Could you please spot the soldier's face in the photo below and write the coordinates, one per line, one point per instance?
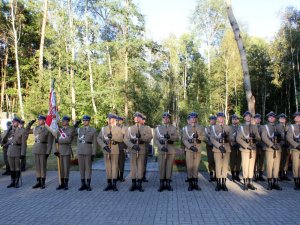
(65, 123)
(112, 121)
(86, 123)
(247, 118)
(235, 121)
(136, 119)
(15, 124)
(120, 121)
(282, 120)
(271, 119)
(41, 122)
(297, 119)
(257, 120)
(192, 120)
(220, 119)
(166, 120)
(212, 122)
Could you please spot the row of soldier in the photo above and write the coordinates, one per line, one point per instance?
(245, 144)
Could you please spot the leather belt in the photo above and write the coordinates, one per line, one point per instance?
(85, 142)
(39, 142)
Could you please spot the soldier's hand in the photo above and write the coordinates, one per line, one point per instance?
(92, 158)
(138, 135)
(194, 149)
(47, 155)
(224, 135)
(222, 149)
(136, 147)
(31, 122)
(195, 135)
(22, 157)
(109, 136)
(162, 142)
(10, 128)
(250, 147)
(167, 136)
(56, 140)
(275, 147)
(77, 123)
(107, 149)
(164, 149)
(56, 154)
(236, 146)
(298, 147)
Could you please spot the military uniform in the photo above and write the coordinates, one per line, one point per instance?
(122, 155)
(4, 144)
(164, 138)
(41, 150)
(135, 138)
(86, 151)
(247, 137)
(221, 137)
(235, 155)
(109, 139)
(260, 154)
(271, 144)
(210, 154)
(293, 138)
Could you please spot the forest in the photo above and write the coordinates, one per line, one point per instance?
(99, 54)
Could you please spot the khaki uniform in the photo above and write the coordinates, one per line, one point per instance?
(41, 148)
(293, 138)
(122, 150)
(235, 154)
(165, 159)
(4, 150)
(64, 147)
(111, 159)
(137, 158)
(193, 158)
(272, 156)
(221, 160)
(86, 148)
(247, 136)
(285, 154)
(209, 149)
(260, 154)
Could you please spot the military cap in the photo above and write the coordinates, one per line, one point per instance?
(22, 122)
(112, 116)
(220, 114)
(120, 118)
(16, 119)
(166, 114)
(257, 115)
(86, 118)
(296, 114)
(66, 118)
(282, 115)
(271, 114)
(41, 117)
(144, 117)
(234, 116)
(247, 113)
(8, 123)
(193, 115)
(212, 117)
(138, 114)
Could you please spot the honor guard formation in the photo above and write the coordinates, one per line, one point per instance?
(247, 149)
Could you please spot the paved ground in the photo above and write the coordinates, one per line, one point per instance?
(28, 206)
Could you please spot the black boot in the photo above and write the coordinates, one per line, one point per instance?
(88, 185)
(296, 180)
(62, 184)
(299, 183)
(161, 185)
(270, 186)
(233, 176)
(190, 188)
(43, 183)
(6, 173)
(250, 184)
(133, 185)
(168, 185)
(121, 177)
(196, 186)
(224, 187)
(13, 179)
(280, 175)
(114, 186)
(109, 185)
(144, 177)
(237, 176)
(38, 183)
(83, 185)
(187, 179)
(285, 176)
(139, 187)
(211, 177)
(17, 177)
(276, 185)
(66, 184)
(260, 176)
(245, 184)
(218, 187)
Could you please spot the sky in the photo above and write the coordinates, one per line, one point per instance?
(259, 17)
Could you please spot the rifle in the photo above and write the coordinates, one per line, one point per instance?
(195, 139)
(250, 141)
(275, 142)
(109, 138)
(138, 140)
(166, 141)
(223, 139)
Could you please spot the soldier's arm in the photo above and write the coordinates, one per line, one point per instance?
(214, 141)
(100, 140)
(147, 134)
(118, 134)
(240, 139)
(24, 143)
(174, 136)
(156, 139)
(265, 138)
(290, 138)
(201, 135)
(185, 139)
(94, 148)
(256, 133)
(49, 142)
(127, 139)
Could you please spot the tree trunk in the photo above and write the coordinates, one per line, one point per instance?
(294, 79)
(87, 45)
(226, 91)
(247, 83)
(41, 56)
(3, 82)
(126, 62)
(13, 6)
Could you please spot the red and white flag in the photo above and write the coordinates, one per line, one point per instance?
(53, 117)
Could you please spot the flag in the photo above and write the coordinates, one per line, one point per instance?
(53, 117)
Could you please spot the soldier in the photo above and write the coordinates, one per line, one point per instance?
(192, 136)
(109, 138)
(143, 121)
(235, 154)
(23, 160)
(247, 136)
(271, 138)
(41, 150)
(293, 138)
(285, 154)
(86, 151)
(136, 138)
(4, 145)
(122, 149)
(164, 138)
(16, 141)
(209, 149)
(64, 151)
(220, 137)
(260, 153)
